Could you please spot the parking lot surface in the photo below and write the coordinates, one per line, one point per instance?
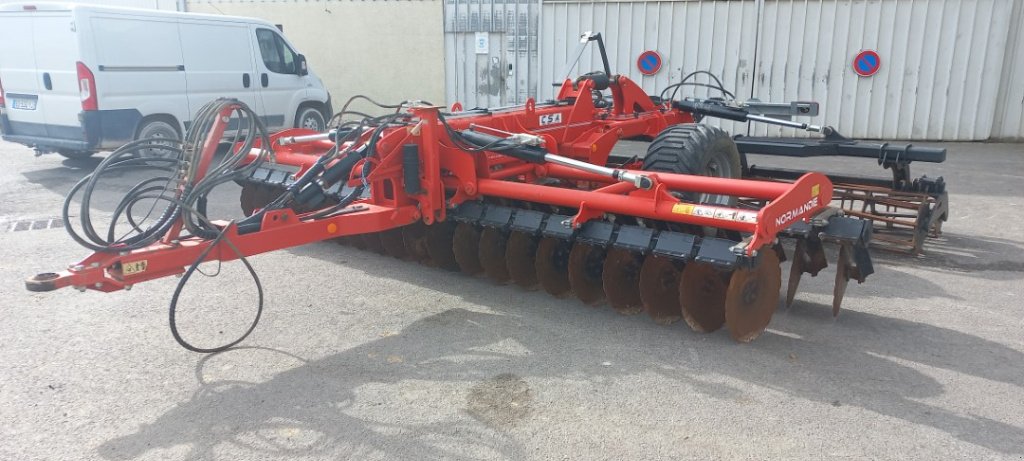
(360, 356)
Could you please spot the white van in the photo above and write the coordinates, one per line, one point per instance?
(76, 79)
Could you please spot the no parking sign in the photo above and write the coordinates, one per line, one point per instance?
(649, 62)
(866, 63)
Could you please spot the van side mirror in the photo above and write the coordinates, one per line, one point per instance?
(301, 68)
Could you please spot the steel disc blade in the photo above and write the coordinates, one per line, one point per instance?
(466, 247)
(520, 254)
(372, 242)
(702, 290)
(621, 279)
(842, 279)
(492, 254)
(414, 236)
(796, 270)
(439, 245)
(247, 199)
(268, 194)
(552, 264)
(357, 241)
(393, 243)
(752, 297)
(659, 289)
(586, 264)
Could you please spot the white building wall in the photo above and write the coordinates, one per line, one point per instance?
(942, 73)
(387, 50)
(167, 5)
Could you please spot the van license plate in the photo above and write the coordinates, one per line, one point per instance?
(23, 104)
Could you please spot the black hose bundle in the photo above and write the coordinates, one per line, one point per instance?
(180, 188)
(177, 188)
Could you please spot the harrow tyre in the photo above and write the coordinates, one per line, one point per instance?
(696, 149)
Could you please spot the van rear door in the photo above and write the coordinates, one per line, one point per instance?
(57, 51)
(19, 75)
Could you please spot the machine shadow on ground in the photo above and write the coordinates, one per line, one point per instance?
(850, 361)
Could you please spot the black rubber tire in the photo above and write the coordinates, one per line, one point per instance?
(310, 117)
(160, 127)
(75, 154)
(696, 149)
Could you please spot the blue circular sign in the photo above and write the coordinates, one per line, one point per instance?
(649, 62)
(866, 63)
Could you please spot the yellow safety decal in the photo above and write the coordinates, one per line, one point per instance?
(134, 267)
(682, 208)
(815, 190)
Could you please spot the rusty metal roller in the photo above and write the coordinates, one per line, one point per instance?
(702, 293)
(552, 263)
(247, 199)
(466, 247)
(621, 279)
(371, 241)
(586, 264)
(439, 239)
(521, 256)
(752, 297)
(414, 236)
(393, 243)
(492, 254)
(659, 288)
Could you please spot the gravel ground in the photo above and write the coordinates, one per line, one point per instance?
(359, 356)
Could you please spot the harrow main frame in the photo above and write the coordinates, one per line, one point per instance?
(536, 176)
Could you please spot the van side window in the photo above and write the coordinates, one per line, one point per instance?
(277, 56)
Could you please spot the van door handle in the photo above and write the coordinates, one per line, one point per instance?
(264, 80)
(47, 82)
(246, 81)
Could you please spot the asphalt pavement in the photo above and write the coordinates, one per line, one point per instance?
(360, 356)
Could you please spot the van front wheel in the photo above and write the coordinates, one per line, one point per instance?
(310, 118)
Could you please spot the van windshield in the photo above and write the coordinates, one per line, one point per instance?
(277, 55)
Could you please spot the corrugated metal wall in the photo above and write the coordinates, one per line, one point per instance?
(689, 35)
(507, 72)
(941, 64)
(1009, 118)
(942, 60)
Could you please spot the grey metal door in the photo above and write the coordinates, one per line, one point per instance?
(491, 51)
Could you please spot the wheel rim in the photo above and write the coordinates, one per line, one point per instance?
(716, 169)
(158, 133)
(311, 122)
